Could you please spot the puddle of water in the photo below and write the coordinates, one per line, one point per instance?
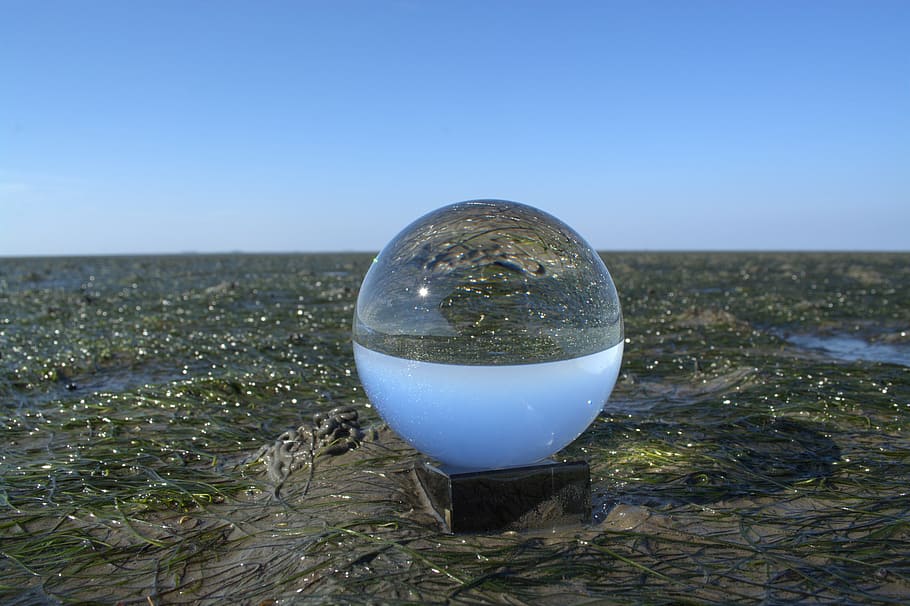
(852, 349)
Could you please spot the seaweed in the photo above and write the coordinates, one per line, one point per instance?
(731, 464)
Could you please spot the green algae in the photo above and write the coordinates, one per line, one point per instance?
(730, 465)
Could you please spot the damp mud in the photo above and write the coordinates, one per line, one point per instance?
(179, 430)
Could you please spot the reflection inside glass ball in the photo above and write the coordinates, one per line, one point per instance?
(488, 334)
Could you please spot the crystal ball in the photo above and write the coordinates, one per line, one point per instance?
(488, 334)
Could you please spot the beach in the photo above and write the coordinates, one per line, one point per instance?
(755, 450)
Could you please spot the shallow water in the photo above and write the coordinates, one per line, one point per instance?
(853, 349)
(735, 461)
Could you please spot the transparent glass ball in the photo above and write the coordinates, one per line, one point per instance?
(488, 334)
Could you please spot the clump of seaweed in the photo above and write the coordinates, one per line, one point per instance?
(730, 465)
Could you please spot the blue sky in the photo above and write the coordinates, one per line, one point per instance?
(166, 126)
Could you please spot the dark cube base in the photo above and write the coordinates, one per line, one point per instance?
(548, 494)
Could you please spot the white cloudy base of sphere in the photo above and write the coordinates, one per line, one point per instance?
(488, 417)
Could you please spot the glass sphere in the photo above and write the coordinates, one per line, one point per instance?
(488, 334)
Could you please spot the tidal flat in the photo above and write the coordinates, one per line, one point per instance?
(756, 449)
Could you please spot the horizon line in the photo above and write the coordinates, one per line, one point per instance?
(190, 253)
